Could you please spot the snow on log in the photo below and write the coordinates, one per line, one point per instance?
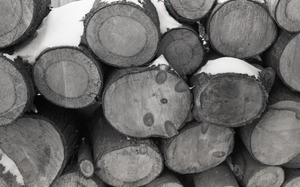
(275, 138)
(230, 92)
(123, 33)
(250, 172)
(34, 149)
(198, 147)
(219, 176)
(123, 161)
(241, 28)
(285, 13)
(62, 27)
(20, 19)
(16, 90)
(284, 57)
(144, 102)
(189, 10)
(69, 77)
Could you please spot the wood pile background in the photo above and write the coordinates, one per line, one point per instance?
(173, 93)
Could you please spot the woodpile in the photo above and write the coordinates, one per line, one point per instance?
(173, 93)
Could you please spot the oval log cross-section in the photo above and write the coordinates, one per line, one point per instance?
(165, 180)
(146, 102)
(241, 29)
(19, 19)
(16, 90)
(198, 148)
(68, 77)
(189, 10)
(123, 34)
(183, 50)
(31, 153)
(123, 161)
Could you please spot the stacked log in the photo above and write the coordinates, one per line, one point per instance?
(123, 34)
(292, 178)
(241, 28)
(165, 180)
(20, 19)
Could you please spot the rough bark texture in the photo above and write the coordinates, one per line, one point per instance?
(123, 34)
(218, 176)
(123, 161)
(241, 29)
(69, 77)
(198, 147)
(165, 98)
(20, 19)
(16, 90)
(183, 49)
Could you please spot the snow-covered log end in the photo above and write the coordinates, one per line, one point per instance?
(161, 63)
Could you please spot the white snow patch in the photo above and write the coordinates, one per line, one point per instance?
(137, 2)
(166, 21)
(229, 65)
(160, 61)
(62, 27)
(11, 167)
(8, 56)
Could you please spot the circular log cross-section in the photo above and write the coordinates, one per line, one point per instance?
(189, 10)
(68, 77)
(228, 99)
(71, 179)
(19, 19)
(123, 34)
(198, 148)
(146, 102)
(284, 57)
(32, 153)
(165, 180)
(286, 13)
(292, 178)
(16, 90)
(183, 50)
(123, 161)
(241, 29)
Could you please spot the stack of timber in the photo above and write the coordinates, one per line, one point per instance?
(174, 93)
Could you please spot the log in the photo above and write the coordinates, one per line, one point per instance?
(285, 13)
(183, 49)
(218, 176)
(189, 10)
(123, 34)
(123, 161)
(198, 147)
(230, 92)
(68, 76)
(283, 56)
(165, 180)
(241, 29)
(20, 19)
(250, 173)
(144, 102)
(292, 178)
(16, 90)
(85, 159)
(34, 149)
(274, 139)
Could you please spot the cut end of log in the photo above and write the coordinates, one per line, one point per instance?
(122, 35)
(68, 77)
(166, 104)
(293, 183)
(15, 91)
(229, 99)
(26, 160)
(287, 15)
(75, 179)
(241, 29)
(268, 176)
(199, 148)
(289, 65)
(182, 48)
(87, 168)
(130, 166)
(190, 10)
